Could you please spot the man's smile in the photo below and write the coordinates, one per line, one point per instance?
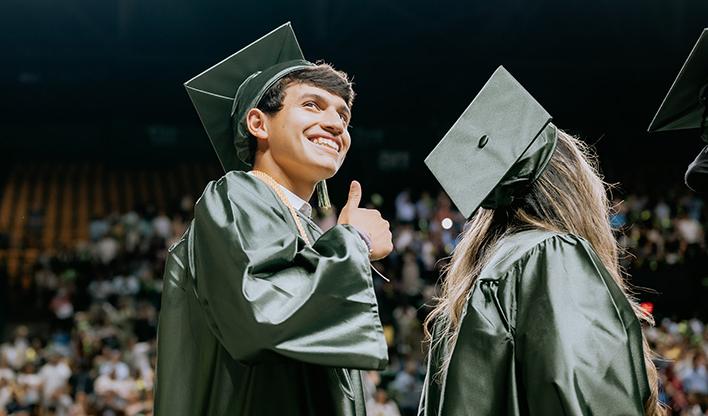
(326, 141)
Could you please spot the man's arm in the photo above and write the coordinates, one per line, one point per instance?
(264, 291)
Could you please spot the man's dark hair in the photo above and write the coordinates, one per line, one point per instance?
(321, 76)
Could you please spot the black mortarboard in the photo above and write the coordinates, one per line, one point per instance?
(685, 107)
(224, 93)
(496, 149)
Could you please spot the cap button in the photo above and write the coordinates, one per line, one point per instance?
(483, 141)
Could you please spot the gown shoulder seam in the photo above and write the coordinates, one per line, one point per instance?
(491, 271)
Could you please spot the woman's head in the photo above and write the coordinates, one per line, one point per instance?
(569, 197)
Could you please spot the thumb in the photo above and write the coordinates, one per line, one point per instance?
(354, 195)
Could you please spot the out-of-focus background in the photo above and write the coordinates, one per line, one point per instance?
(102, 157)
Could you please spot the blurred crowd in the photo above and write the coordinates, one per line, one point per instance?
(681, 349)
(92, 309)
(662, 231)
(665, 249)
(89, 345)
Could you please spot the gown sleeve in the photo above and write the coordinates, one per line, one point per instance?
(579, 344)
(267, 294)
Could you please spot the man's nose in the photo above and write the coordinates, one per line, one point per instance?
(332, 122)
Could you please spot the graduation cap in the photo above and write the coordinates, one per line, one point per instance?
(224, 93)
(497, 148)
(686, 107)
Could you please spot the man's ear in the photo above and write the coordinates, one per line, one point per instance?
(257, 123)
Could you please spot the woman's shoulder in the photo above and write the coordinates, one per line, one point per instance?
(515, 250)
(555, 271)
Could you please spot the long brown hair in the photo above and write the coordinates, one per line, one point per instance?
(569, 197)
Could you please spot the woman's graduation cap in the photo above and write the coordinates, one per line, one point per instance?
(498, 147)
(686, 107)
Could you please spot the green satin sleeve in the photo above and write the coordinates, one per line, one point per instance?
(578, 342)
(267, 294)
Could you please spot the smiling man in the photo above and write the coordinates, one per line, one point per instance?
(300, 127)
(263, 313)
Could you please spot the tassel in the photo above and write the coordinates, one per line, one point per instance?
(323, 195)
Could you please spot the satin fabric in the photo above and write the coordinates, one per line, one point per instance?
(525, 171)
(255, 322)
(545, 331)
(697, 173)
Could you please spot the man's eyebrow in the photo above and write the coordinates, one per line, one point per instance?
(317, 97)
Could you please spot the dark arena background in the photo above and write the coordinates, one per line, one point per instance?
(102, 157)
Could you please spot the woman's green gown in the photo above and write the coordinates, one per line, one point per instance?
(545, 331)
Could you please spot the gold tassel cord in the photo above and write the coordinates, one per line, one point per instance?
(275, 186)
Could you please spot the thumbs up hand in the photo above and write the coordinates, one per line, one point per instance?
(367, 221)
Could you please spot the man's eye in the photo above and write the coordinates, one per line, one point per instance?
(311, 104)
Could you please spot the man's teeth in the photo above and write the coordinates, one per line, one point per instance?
(327, 142)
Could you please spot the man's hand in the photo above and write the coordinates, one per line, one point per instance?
(367, 221)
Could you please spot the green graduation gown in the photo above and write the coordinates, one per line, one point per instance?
(255, 322)
(545, 331)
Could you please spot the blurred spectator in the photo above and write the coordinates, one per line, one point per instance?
(107, 249)
(28, 389)
(690, 231)
(405, 208)
(381, 405)
(162, 226)
(694, 378)
(53, 378)
(80, 407)
(7, 380)
(662, 212)
(14, 352)
(411, 282)
(111, 364)
(62, 308)
(424, 207)
(98, 227)
(407, 388)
